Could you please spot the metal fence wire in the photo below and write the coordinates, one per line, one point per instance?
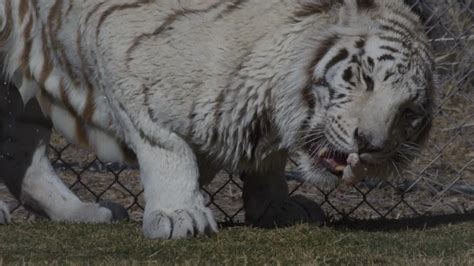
(441, 181)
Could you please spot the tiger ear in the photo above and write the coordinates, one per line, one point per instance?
(418, 8)
(357, 5)
(353, 8)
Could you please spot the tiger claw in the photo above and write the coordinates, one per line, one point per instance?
(178, 224)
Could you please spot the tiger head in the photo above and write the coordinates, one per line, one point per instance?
(370, 95)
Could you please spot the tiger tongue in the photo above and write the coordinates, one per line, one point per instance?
(335, 166)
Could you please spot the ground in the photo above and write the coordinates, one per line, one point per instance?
(46, 243)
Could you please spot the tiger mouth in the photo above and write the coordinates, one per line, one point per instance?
(334, 162)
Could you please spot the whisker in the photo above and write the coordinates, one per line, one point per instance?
(396, 169)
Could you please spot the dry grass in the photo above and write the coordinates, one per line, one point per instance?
(51, 243)
(445, 171)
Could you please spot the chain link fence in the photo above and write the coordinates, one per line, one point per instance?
(440, 182)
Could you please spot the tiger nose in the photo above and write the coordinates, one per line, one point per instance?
(366, 142)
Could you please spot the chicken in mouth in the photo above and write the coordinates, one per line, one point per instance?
(348, 167)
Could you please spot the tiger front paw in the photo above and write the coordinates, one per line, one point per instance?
(183, 223)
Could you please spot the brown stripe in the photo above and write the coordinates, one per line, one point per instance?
(323, 49)
(128, 155)
(386, 57)
(391, 49)
(23, 9)
(400, 28)
(366, 4)
(248, 97)
(257, 131)
(52, 100)
(168, 21)
(65, 97)
(150, 139)
(54, 27)
(69, 8)
(25, 55)
(67, 65)
(90, 102)
(410, 19)
(338, 137)
(5, 34)
(45, 102)
(213, 138)
(309, 9)
(390, 29)
(79, 49)
(160, 29)
(220, 99)
(54, 15)
(89, 109)
(47, 67)
(94, 10)
(108, 12)
(308, 97)
(231, 8)
(395, 40)
(80, 130)
(81, 133)
(361, 42)
(347, 75)
(341, 55)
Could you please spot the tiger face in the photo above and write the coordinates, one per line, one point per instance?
(372, 98)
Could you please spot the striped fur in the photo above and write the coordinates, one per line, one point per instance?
(235, 80)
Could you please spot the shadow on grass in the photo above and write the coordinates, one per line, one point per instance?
(383, 224)
(421, 222)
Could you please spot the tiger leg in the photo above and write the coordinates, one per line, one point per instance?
(170, 177)
(267, 203)
(174, 204)
(26, 169)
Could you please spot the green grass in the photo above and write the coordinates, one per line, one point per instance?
(47, 242)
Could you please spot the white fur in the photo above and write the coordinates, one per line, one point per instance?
(60, 116)
(43, 187)
(28, 89)
(107, 148)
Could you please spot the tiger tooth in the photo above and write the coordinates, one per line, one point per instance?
(340, 168)
(323, 152)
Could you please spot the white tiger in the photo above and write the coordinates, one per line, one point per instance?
(192, 87)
